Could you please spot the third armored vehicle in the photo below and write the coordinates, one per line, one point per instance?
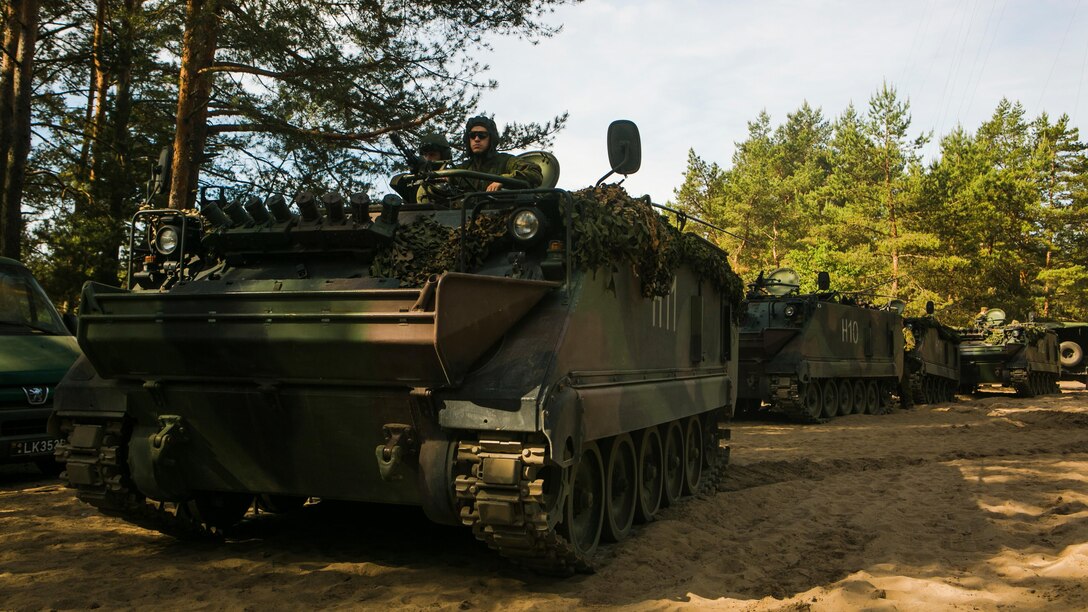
(932, 360)
(816, 356)
(1023, 356)
(491, 357)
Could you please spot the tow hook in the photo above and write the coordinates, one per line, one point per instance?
(400, 439)
(171, 433)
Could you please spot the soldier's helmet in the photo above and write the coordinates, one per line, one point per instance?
(437, 143)
(489, 124)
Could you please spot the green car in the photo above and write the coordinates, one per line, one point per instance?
(36, 349)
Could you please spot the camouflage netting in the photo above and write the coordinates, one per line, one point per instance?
(611, 229)
(1002, 335)
(425, 247)
(614, 229)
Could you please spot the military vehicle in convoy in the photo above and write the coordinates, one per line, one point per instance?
(36, 349)
(1023, 356)
(1072, 339)
(491, 357)
(932, 360)
(818, 355)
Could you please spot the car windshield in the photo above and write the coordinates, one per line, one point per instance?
(24, 307)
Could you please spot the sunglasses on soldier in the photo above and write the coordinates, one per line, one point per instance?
(478, 135)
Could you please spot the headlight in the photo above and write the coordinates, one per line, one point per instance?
(909, 326)
(166, 241)
(525, 224)
(1016, 333)
(790, 310)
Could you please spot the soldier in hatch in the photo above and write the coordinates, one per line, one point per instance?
(481, 142)
(435, 149)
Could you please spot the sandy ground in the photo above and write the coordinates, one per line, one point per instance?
(981, 504)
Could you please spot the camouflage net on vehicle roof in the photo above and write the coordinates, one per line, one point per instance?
(425, 247)
(1003, 335)
(611, 228)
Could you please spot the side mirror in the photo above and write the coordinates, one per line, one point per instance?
(624, 147)
(823, 281)
(160, 173)
(929, 307)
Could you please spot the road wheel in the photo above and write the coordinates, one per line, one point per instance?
(872, 397)
(693, 455)
(674, 462)
(810, 399)
(857, 396)
(845, 394)
(932, 393)
(621, 484)
(651, 475)
(829, 398)
(1071, 354)
(584, 515)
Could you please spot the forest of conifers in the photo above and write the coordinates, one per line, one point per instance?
(995, 219)
(284, 95)
(266, 96)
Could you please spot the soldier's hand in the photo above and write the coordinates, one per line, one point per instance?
(494, 187)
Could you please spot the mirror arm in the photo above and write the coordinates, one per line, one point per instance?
(626, 156)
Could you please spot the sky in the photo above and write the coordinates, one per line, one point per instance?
(692, 73)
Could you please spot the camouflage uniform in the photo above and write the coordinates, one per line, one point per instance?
(493, 162)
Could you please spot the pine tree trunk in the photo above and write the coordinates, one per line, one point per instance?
(893, 229)
(194, 90)
(116, 170)
(95, 100)
(7, 97)
(12, 195)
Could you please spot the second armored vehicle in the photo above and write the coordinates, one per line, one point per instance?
(816, 356)
(932, 360)
(1023, 356)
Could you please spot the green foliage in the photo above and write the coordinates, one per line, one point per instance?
(997, 219)
(304, 93)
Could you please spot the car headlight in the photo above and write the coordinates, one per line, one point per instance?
(1016, 333)
(525, 224)
(790, 310)
(166, 240)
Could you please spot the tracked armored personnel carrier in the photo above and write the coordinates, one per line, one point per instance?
(932, 360)
(1023, 356)
(474, 356)
(815, 356)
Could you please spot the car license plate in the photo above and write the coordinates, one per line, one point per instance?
(32, 447)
